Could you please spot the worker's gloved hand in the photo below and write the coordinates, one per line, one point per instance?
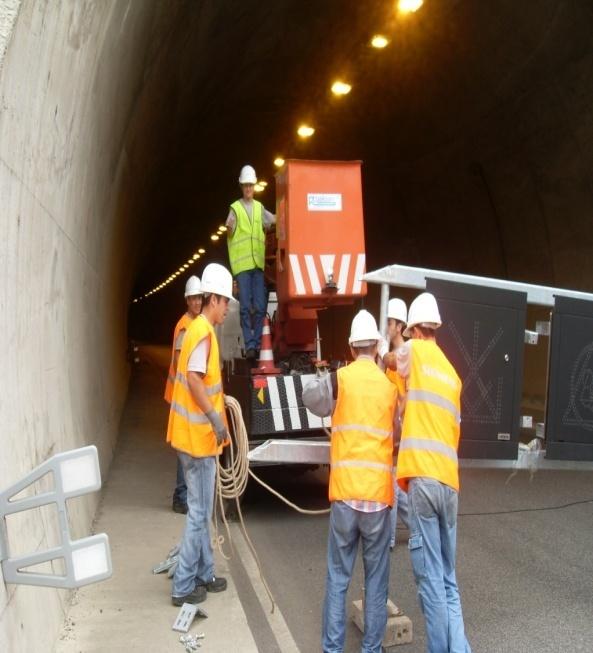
(220, 430)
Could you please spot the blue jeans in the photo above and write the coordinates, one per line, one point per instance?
(346, 527)
(196, 562)
(252, 294)
(432, 544)
(180, 493)
(400, 509)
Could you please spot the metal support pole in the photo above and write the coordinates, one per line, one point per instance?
(383, 309)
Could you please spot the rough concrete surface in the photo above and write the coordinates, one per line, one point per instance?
(132, 611)
(70, 81)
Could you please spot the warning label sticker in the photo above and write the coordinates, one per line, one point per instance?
(324, 201)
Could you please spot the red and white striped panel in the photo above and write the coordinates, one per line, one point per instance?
(310, 272)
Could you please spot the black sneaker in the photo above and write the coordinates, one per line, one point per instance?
(217, 584)
(197, 596)
(179, 507)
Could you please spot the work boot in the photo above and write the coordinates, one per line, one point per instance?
(197, 596)
(217, 584)
(180, 507)
(250, 354)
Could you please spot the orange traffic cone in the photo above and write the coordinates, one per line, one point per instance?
(265, 364)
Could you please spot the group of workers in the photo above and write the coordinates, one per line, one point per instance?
(395, 413)
(417, 401)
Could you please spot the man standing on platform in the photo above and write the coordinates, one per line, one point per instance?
(247, 223)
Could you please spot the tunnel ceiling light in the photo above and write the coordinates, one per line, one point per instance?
(190, 261)
(278, 161)
(185, 266)
(258, 188)
(214, 237)
(341, 88)
(201, 250)
(409, 6)
(305, 131)
(222, 227)
(196, 256)
(263, 183)
(379, 41)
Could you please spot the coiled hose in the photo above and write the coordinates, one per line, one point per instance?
(231, 481)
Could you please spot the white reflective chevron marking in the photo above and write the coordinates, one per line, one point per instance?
(295, 418)
(314, 421)
(357, 285)
(275, 402)
(296, 274)
(313, 278)
(327, 264)
(343, 277)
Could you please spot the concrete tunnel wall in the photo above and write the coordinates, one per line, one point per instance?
(501, 177)
(77, 95)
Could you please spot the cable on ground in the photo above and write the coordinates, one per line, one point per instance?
(231, 480)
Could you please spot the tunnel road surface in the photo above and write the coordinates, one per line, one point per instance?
(526, 577)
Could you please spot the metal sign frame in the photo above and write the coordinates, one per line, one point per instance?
(86, 560)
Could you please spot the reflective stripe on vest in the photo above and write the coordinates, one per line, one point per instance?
(209, 391)
(361, 464)
(361, 427)
(184, 321)
(247, 244)
(430, 429)
(427, 444)
(437, 400)
(189, 429)
(361, 440)
(194, 418)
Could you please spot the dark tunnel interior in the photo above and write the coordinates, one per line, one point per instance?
(473, 127)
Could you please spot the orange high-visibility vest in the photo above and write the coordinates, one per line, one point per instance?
(189, 429)
(400, 402)
(430, 431)
(184, 321)
(397, 381)
(362, 435)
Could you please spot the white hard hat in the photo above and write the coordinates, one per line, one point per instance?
(247, 175)
(423, 312)
(397, 310)
(363, 331)
(193, 286)
(218, 280)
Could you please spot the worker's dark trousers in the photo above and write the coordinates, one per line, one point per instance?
(252, 294)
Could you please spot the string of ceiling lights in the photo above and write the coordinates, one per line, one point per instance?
(339, 88)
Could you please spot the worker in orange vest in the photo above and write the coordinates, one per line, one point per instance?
(427, 469)
(360, 483)
(198, 431)
(397, 318)
(193, 299)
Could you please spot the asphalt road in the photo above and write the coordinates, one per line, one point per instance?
(524, 560)
(526, 577)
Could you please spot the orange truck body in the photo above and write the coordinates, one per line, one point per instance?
(320, 230)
